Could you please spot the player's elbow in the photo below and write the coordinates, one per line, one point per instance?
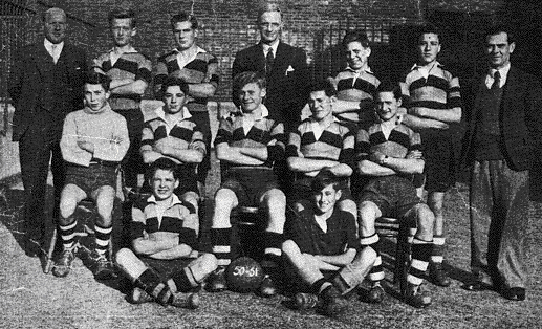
(292, 163)
(364, 167)
(140, 87)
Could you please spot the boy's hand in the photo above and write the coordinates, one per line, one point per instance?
(115, 140)
(86, 145)
(377, 157)
(414, 155)
(163, 146)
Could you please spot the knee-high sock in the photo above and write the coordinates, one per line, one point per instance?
(376, 273)
(421, 253)
(221, 239)
(67, 232)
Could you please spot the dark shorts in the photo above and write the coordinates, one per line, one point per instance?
(301, 190)
(441, 154)
(249, 184)
(393, 195)
(91, 178)
(165, 268)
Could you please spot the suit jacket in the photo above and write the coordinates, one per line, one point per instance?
(37, 84)
(520, 119)
(287, 85)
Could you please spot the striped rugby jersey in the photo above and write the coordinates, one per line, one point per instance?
(266, 132)
(130, 65)
(202, 69)
(176, 218)
(400, 142)
(438, 90)
(335, 143)
(186, 132)
(356, 86)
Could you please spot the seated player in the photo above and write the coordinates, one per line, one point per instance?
(163, 231)
(320, 143)
(322, 241)
(173, 134)
(248, 144)
(389, 154)
(94, 141)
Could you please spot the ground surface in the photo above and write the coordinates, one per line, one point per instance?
(31, 299)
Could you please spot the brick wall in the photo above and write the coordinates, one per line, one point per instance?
(229, 25)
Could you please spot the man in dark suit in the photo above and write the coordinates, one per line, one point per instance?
(285, 68)
(45, 84)
(504, 129)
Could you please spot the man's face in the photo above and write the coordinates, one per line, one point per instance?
(185, 35)
(428, 48)
(174, 98)
(325, 199)
(357, 55)
(498, 50)
(320, 104)
(251, 96)
(122, 31)
(163, 184)
(270, 25)
(386, 105)
(95, 97)
(55, 27)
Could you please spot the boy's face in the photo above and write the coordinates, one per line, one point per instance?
(185, 35)
(320, 104)
(357, 55)
(95, 97)
(163, 184)
(326, 198)
(122, 31)
(428, 48)
(386, 105)
(175, 99)
(251, 96)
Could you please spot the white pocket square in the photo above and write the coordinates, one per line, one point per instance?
(289, 69)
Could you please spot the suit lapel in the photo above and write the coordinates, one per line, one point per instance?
(509, 92)
(42, 58)
(281, 59)
(259, 58)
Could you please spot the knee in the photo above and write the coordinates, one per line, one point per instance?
(274, 198)
(123, 256)
(367, 212)
(424, 216)
(209, 262)
(367, 255)
(290, 249)
(225, 198)
(67, 206)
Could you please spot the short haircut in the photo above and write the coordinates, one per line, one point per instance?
(244, 78)
(51, 11)
(501, 28)
(323, 85)
(174, 82)
(183, 16)
(324, 179)
(427, 29)
(268, 8)
(121, 13)
(389, 86)
(356, 36)
(165, 164)
(96, 78)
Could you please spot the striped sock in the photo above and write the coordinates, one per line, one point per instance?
(438, 249)
(272, 243)
(221, 239)
(103, 235)
(376, 273)
(421, 253)
(67, 232)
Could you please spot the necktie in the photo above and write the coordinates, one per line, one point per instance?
(54, 53)
(269, 60)
(497, 83)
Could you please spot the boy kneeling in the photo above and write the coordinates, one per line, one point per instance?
(323, 239)
(163, 231)
(94, 141)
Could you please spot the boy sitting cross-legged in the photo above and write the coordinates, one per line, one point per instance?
(248, 144)
(389, 154)
(322, 240)
(94, 141)
(163, 231)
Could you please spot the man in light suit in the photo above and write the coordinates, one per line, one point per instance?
(285, 68)
(504, 132)
(45, 84)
